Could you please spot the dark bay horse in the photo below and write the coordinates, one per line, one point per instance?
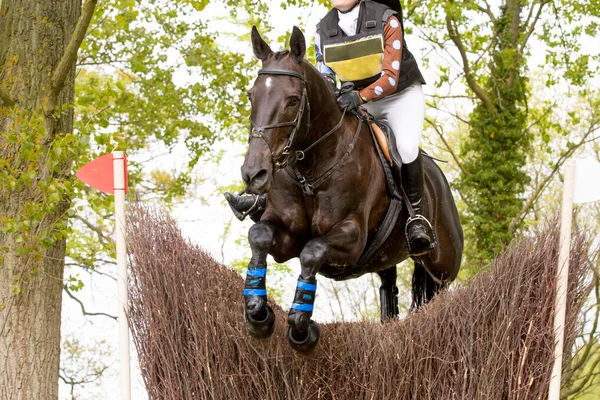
(331, 206)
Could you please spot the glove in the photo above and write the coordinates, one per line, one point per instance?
(349, 100)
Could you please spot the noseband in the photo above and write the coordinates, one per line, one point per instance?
(287, 157)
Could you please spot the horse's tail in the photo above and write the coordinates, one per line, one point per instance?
(423, 287)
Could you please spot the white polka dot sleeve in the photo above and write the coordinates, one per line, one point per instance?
(392, 54)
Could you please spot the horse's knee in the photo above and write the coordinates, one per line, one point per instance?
(260, 237)
(312, 257)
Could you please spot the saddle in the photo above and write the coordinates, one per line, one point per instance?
(384, 141)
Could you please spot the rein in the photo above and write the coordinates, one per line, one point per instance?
(286, 154)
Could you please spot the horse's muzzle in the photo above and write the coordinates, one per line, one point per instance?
(257, 183)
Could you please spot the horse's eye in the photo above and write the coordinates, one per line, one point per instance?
(293, 101)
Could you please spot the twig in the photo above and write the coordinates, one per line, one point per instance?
(101, 236)
(83, 308)
(438, 130)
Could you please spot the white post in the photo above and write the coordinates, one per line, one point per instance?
(560, 303)
(119, 177)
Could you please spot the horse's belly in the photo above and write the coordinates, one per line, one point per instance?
(339, 272)
(391, 253)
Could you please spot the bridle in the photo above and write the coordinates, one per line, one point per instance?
(287, 156)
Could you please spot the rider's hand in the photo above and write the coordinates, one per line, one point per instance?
(350, 100)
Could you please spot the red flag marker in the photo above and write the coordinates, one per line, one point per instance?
(99, 174)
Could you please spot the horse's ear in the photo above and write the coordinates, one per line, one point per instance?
(297, 45)
(259, 46)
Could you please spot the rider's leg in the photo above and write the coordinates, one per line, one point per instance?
(242, 206)
(412, 181)
(405, 113)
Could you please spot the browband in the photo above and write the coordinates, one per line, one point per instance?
(276, 71)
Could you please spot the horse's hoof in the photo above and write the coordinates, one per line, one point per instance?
(309, 341)
(261, 329)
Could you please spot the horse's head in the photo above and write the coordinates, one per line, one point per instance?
(279, 110)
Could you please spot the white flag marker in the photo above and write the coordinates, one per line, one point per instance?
(587, 181)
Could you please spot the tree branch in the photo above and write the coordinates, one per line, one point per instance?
(455, 37)
(458, 117)
(70, 56)
(83, 308)
(583, 382)
(441, 135)
(6, 98)
(545, 113)
(487, 10)
(101, 236)
(456, 96)
(530, 28)
(538, 191)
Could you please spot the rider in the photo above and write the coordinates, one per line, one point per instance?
(362, 42)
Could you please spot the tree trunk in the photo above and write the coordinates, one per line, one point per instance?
(495, 153)
(33, 38)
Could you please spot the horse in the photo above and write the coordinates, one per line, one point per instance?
(327, 197)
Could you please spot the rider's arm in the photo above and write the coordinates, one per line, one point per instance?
(323, 69)
(392, 55)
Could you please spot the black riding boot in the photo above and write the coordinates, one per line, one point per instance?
(417, 229)
(243, 206)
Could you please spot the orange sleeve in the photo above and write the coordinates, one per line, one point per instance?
(392, 54)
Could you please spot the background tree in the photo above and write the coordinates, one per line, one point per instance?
(38, 47)
(484, 53)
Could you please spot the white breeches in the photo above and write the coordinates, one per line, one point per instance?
(405, 113)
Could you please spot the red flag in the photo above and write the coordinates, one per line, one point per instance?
(99, 174)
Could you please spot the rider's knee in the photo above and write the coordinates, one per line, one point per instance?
(408, 153)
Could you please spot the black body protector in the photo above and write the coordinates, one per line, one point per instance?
(358, 58)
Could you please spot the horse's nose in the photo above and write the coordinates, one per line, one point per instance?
(255, 181)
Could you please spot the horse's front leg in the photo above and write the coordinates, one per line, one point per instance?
(341, 246)
(260, 319)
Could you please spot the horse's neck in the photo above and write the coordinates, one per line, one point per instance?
(325, 115)
(330, 151)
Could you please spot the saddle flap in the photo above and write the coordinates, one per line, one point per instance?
(387, 142)
(382, 140)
